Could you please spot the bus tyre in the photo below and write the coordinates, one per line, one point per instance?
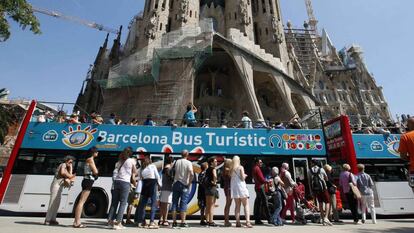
(95, 206)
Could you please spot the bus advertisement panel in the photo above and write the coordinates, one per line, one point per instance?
(376, 146)
(157, 139)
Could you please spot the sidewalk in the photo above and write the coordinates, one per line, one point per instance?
(35, 225)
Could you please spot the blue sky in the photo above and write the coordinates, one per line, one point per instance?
(52, 66)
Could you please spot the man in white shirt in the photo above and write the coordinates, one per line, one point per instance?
(181, 188)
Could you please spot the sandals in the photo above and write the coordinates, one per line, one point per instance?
(165, 224)
(79, 226)
(238, 224)
(248, 225)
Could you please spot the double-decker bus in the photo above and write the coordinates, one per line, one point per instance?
(379, 153)
(40, 148)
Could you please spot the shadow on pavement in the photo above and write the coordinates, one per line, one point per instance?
(393, 230)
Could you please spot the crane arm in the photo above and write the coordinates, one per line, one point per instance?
(90, 24)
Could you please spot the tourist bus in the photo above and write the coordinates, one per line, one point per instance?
(40, 147)
(379, 154)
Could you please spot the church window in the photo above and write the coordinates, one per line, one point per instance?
(191, 14)
(163, 5)
(160, 26)
(195, 15)
(267, 31)
(235, 15)
(156, 4)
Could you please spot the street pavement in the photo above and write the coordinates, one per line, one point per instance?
(35, 225)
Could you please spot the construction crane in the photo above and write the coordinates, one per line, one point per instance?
(312, 19)
(56, 14)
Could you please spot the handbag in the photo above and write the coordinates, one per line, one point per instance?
(354, 188)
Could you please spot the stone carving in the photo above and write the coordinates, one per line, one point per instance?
(184, 7)
(244, 12)
(277, 35)
(152, 25)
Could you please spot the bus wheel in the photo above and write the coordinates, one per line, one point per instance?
(95, 206)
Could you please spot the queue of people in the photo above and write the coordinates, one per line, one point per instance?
(276, 193)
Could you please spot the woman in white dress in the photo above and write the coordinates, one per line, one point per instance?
(239, 191)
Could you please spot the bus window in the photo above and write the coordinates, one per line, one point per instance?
(386, 173)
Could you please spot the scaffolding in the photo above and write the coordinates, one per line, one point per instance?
(143, 67)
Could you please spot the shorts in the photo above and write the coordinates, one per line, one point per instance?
(87, 184)
(323, 197)
(166, 196)
(211, 191)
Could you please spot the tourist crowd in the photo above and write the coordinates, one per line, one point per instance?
(275, 192)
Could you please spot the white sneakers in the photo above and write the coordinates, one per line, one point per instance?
(326, 222)
(118, 227)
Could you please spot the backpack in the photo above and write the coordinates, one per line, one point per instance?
(317, 183)
(202, 178)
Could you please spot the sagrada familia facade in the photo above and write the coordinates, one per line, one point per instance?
(227, 56)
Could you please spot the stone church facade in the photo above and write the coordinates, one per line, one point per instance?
(227, 57)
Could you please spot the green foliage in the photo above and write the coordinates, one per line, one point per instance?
(21, 12)
(6, 117)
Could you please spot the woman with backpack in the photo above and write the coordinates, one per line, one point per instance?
(277, 185)
(332, 194)
(211, 192)
(166, 191)
(90, 173)
(151, 180)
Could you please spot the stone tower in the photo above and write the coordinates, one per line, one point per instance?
(184, 13)
(268, 26)
(155, 21)
(238, 14)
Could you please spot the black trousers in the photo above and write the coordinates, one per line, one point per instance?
(353, 205)
(261, 205)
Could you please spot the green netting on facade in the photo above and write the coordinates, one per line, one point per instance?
(143, 67)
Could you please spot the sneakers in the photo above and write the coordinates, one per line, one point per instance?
(153, 226)
(118, 227)
(184, 225)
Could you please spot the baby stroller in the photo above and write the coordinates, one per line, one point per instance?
(304, 209)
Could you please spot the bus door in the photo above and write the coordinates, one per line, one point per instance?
(300, 172)
(300, 169)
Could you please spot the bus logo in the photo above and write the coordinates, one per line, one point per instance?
(393, 143)
(50, 136)
(78, 138)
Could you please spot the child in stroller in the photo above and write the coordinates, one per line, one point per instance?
(304, 209)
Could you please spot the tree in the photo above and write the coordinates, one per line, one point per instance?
(7, 117)
(21, 12)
